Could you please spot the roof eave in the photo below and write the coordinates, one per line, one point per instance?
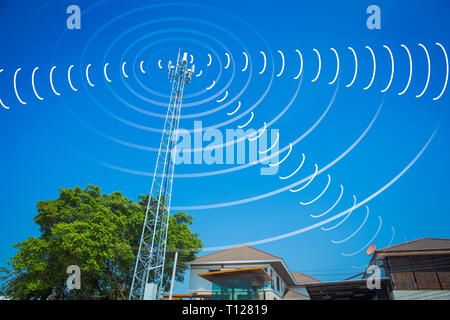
(291, 278)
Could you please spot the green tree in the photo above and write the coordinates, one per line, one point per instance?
(99, 233)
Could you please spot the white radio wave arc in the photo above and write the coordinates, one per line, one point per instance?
(410, 70)
(429, 71)
(307, 184)
(211, 86)
(320, 66)
(141, 66)
(370, 241)
(159, 64)
(192, 58)
(320, 195)
(33, 84)
(337, 68)
(301, 64)
(230, 114)
(398, 176)
(364, 267)
(374, 67)
(356, 67)
(3, 105)
(332, 207)
(123, 69)
(284, 159)
(295, 184)
(15, 87)
(248, 122)
(228, 60)
(1, 102)
(282, 63)
(273, 146)
(199, 74)
(392, 238)
(226, 95)
(69, 79)
(335, 217)
(446, 76)
(265, 62)
(260, 133)
(299, 167)
(210, 60)
(357, 230)
(106, 73)
(87, 75)
(343, 220)
(246, 61)
(392, 69)
(51, 81)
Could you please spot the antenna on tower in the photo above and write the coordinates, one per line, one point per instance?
(148, 274)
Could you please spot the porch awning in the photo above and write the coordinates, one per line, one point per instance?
(257, 273)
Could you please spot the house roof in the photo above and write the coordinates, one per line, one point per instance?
(238, 253)
(413, 247)
(301, 278)
(244, 254)
(255, 273)
(345, 290)
(418, 245)
(291, 294)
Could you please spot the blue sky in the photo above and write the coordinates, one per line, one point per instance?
(69, 140)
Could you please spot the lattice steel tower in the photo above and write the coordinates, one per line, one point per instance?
(149, 270)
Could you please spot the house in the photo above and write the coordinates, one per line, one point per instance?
(246, 273)
(414, 270)
(350, 290)
(418, 269)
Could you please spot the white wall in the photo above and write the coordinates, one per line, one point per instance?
(197, 283)
(421, 294)
(270, 295)
(282, 284)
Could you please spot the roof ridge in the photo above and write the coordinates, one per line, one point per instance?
(263, 252)
(240, 246)
(411, 241)
(400, 244)
(295, 293)
(304, 274)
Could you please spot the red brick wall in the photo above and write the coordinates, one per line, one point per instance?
(402, 274)
(426, 276)
(442, 264)
(421, 272)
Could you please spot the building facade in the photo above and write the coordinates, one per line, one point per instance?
(414, 270)
(246, 273)
(418, 269)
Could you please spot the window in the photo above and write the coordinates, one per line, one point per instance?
(270, 283)
(277, 285)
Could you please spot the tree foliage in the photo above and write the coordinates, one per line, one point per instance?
(99, 233)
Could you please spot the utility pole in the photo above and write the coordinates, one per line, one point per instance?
(172, 282)
(148, 275)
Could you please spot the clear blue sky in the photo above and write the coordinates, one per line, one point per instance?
(70, 140)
